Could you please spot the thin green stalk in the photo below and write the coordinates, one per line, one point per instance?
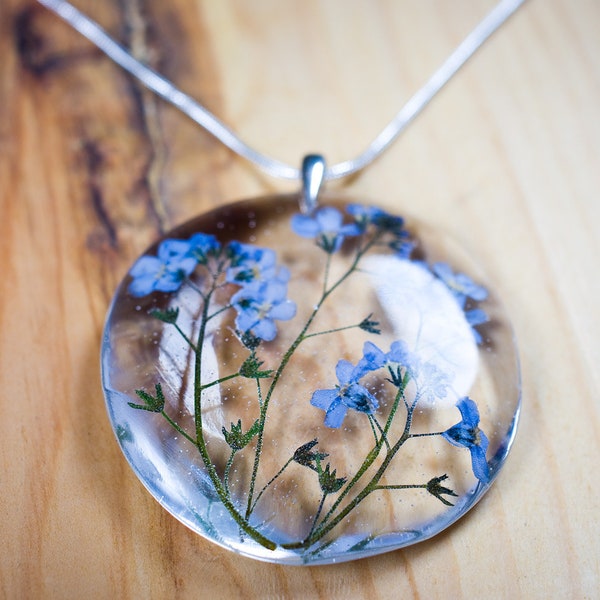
(285, 466)
(416, 435)
(201, 443)
(219, 381)
(369, 459)
(375, 424)
(399, 394)
(288, 355)
(179, 429)
(336, 330)
(325, 527)
(317, 514)
(414, 486)
(329, 521)
(218, 312)
(185, 337)
(227, 469)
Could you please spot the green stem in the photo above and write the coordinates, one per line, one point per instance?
(270, 482)
(370, 458)
(375, 424)
(317, 514)
(189, 282)
(218, 312)
(219, 381)
(329, 521)
(227, 469)
(414, 486)
(399, 394)
(185, 337)
(179, 429)
(288, 355)
(309, 335)
(201, 442)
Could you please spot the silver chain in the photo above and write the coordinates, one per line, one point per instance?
(164, 88)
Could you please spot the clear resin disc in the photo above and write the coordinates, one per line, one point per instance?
(309, 389)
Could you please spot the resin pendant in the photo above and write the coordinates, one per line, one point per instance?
(310, 389)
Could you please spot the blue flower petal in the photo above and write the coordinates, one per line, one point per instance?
(469, 412)
(373, 359)
(323, 398)
(146, 265)
(478, 460)
(468, 435)
(326, 227)
(399, 353)
(329, 219)
(283, 311)
(344, 371)
(264, 329)
(305, 226)
(170, 249)
(335, 415)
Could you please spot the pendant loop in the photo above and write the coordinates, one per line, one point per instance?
(313, 171)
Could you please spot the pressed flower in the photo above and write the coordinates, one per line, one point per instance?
(259, 304)
(348, 394)
(467, 434)
(461, 285)
(202, 245)
(373, 358)
(366, 215)
(399, 357)
(326, 226)
(252, 263)
(164, 272)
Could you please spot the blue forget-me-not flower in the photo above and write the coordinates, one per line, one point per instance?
(164, 272)
(202, 246)
(326, 226)
(252, 263)
(467, 434)
(348, 394)
(259, 304)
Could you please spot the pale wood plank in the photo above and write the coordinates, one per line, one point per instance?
(92, 169)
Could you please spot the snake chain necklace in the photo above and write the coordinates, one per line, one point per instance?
(304, 379)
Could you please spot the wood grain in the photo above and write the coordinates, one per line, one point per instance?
(93, 168)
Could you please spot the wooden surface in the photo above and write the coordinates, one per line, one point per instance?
(93, 168)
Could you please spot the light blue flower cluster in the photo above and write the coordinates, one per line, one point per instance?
(261, 298)
(402, 366)
(463, 289)
(350, 393)
(164, 272)
(327, 227)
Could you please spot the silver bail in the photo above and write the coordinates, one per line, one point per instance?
(313, 173)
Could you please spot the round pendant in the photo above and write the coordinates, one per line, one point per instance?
(308, 389)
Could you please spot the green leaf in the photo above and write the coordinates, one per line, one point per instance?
(330, 484)
(236, 438)
(251, 368)
(435, 489)
(370, 326)
(151, 403)
(166, 316)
